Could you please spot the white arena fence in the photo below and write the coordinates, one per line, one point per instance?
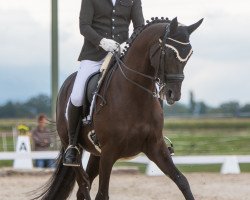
(23, 156)
(230, 164)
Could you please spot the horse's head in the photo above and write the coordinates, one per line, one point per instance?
(169, 56)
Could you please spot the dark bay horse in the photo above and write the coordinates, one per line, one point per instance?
(131, 121)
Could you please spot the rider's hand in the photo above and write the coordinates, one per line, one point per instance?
(109, 45)
(123, 46)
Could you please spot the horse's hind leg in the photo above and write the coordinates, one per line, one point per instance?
(91, 172)
(160, 155)
(83, 183)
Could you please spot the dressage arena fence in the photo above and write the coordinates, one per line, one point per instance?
(230, 164)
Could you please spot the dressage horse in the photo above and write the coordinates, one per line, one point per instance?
(128, 117)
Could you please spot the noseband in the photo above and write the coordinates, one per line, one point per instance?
(168, 77)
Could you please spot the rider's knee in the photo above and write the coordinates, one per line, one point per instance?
(76, 100)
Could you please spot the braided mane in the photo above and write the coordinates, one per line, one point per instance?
(136, 33)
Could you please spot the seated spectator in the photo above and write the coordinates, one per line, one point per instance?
(41, 141)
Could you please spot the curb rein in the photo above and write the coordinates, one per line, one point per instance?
(157, 80)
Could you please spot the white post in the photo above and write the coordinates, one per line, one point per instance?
(23, 149)
(153, 170)
(230, 166)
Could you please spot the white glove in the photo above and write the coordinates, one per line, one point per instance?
(109, 45)
(122, 47)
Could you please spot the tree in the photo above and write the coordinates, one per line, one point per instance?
(231, 107)
(200, 108)
(245, 108)
(176, 109)
(38, 104)
(29, 109)
(192, 103)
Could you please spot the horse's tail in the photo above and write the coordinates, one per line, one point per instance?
(61, 184)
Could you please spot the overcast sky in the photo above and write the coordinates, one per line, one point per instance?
(218, 71)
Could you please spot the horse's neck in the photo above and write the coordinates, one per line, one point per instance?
(136, 59)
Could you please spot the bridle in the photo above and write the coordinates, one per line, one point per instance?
(162, 46)
(121, 64)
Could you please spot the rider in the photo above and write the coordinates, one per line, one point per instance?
(104, 25)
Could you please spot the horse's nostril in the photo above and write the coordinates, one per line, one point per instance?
(170, 94)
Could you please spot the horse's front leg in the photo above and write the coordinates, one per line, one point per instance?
(93, 167)
(107, 161)
(160, 155)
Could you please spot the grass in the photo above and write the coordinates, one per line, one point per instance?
(139, 166)
(10, 143)
(200, 123)
(210, 142)
(169, 124)
(10, 147)
(245, 167)
(189, 136)
(6, 163)
(6, 125)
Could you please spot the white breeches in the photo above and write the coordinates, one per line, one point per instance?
(87, 67)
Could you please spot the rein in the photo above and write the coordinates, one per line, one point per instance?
(157, 80)
(154, 79)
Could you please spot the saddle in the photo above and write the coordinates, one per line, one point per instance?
(93, 85)
(90, 89)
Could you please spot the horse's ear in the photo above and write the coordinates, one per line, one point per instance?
(173, 26)
(193, 27)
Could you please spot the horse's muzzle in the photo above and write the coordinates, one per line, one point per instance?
(172, 96)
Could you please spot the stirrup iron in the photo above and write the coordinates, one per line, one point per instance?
(77, 159)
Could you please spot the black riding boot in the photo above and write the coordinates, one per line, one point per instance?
(72, 153)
